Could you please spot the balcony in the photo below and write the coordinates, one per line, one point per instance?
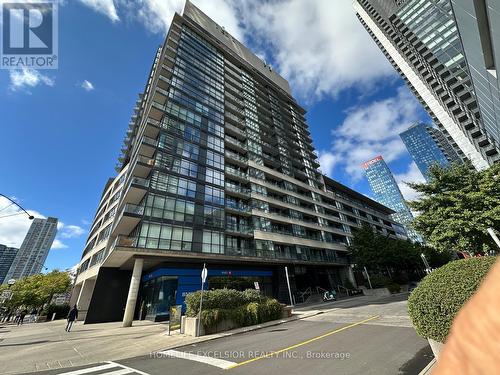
(238, 229)
(236, 158)
(152, 128)
(128, 219)
(238, 191)
(239, 175)
(136, 189)
(239, 208)
(234, 131)
(142, 166)
(147, 146)
(235, 144)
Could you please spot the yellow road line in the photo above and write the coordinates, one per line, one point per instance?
(303, 342)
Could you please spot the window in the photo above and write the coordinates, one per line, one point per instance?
(214, 195)
(178, 165)
(215, 160)
(163, 236)
(169, 208)
(215, 143)
(173, 184)
(213, 216)
(213, 242)
(214, 177)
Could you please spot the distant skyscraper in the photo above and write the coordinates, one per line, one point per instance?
(428, 146)
(34, 249)
(7, 256)
(386, 191)
(421, 40)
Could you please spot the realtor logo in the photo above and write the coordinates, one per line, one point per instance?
(29, 34)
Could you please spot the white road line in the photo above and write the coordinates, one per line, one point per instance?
(128, 368)
(123, 371)
(221, 363)
(90, 369)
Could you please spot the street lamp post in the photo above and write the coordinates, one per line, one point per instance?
(31, 217)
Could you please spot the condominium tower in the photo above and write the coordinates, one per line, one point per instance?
(421, 40)
(387, 192)
(34, 249)
(7, 256)
(428, 146)
(217, 167)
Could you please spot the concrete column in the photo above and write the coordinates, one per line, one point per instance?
(133, 290)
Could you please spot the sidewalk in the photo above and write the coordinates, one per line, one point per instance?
(45, 346)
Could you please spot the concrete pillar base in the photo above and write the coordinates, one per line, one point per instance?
(133, 291)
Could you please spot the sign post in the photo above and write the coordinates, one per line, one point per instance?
(204, 273)
(288, 284)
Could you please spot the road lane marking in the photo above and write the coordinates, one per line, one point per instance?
(128, 368)
(217, 362)
(302, 343)
(90, 369)
(122, 371)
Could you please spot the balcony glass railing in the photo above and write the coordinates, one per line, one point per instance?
(236, 172)
(238, 207)
(133, 209)
(139, 181)
(234, 141)
(238, 189)
(235, 156)
(238, 228)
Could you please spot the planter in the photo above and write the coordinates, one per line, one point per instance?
(436, 347)
(191, 327)
(377, 292)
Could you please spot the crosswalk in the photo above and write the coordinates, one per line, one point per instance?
(107, 368)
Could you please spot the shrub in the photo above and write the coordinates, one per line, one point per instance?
(60, 310)
(433, 305)
(220, 299)
(379, 281)
(244, 308)
(394, 288)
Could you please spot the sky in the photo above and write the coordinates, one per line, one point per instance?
(62, 130)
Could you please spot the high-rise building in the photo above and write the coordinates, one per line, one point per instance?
(7, 256)
(478, 24)
(387, 192)
(421, 40)
(428, 146)
(34, 249)
(218, 167)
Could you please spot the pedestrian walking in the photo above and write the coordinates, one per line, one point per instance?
(21, 317)
(18, 315)
(72, 316)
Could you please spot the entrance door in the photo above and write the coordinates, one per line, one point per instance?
(158, 295)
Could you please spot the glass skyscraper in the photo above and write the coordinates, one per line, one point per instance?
(421, 40)
(217, 167)
(428, 146)
(34, 249)
(387, 192)
(7, 256)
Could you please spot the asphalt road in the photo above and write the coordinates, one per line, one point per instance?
(365, 339)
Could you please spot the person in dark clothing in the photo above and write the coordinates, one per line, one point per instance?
(72, 316)
(21, 317)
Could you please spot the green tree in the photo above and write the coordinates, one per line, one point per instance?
(456, 207)
(37, 290)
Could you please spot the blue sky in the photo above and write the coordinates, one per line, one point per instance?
(62, 129)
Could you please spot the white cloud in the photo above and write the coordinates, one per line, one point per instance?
(25, 78)
(106, 7)
(319, 46)
(87, 85)
(14, 223)
(327, 160)
(71, 231)
(373, 129)
(57, 244)
(411, 175)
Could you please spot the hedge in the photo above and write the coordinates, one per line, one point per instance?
(61, 311)
(244, 308)
(433, 305)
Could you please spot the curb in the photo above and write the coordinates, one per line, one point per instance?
(242, 330)
(427, 369)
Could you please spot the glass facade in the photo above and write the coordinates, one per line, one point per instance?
(386, 191)
(421, 39)
(427, 146)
